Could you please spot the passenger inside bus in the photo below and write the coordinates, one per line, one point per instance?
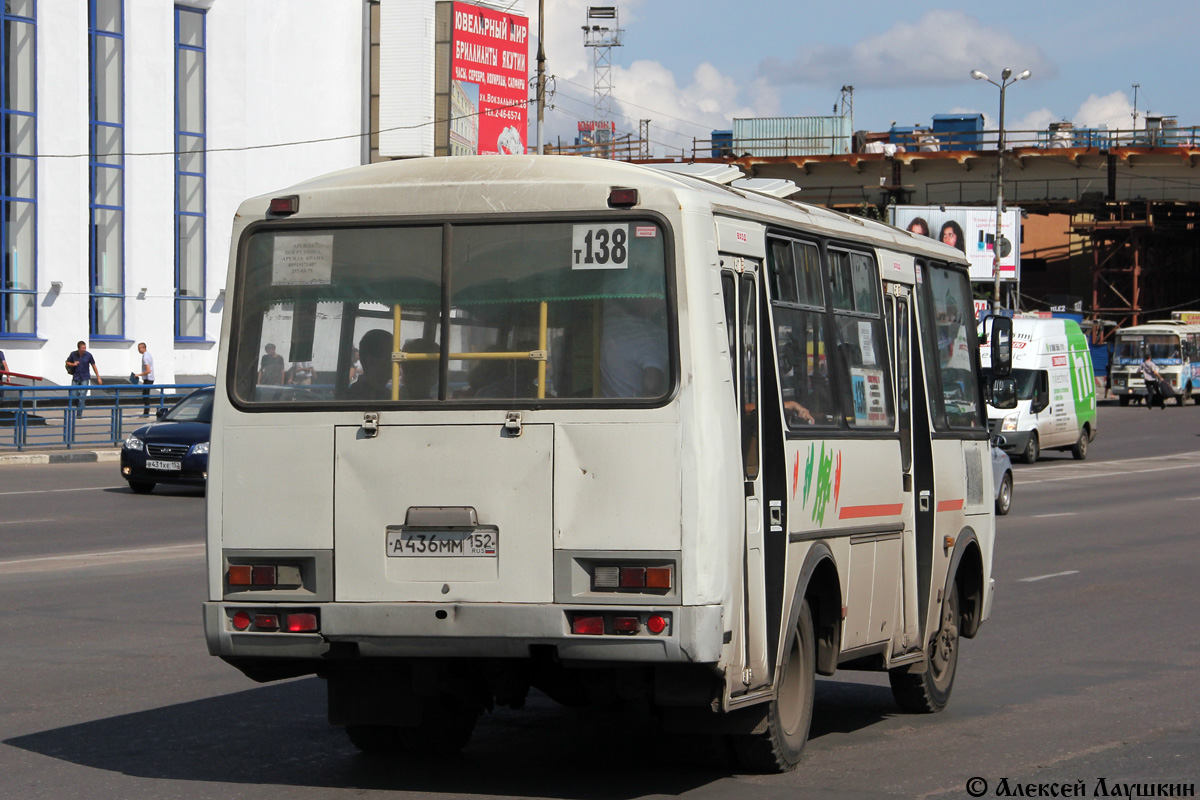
(517, 378)
(420, 378)
(633, 348)
(375, 353)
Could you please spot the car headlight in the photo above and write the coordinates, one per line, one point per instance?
(200, 449)
(1010, 423)
(133, 443)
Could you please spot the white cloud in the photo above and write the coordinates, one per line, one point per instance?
(645, 89)
(1113, 110)
(939, 49)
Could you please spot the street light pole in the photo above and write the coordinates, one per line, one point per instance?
(541, 73)
(1006, 80)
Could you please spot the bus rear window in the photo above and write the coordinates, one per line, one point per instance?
(482, 314)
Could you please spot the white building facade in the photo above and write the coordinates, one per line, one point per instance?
(131, 131)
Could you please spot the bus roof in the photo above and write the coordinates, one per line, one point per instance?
(506, 183)
(1159, 327)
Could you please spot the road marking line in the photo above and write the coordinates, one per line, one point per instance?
(1103, 475)
(23, 521)
(1052, 575)
(1060, 514)
(47, 491)
(1197, 497)
(74, 560)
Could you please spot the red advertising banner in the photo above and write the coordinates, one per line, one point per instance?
(489, 66)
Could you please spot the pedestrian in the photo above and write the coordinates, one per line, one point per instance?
(270, 370)
(3, 363)
(147, 376)
(77, 364)
(1152, 379)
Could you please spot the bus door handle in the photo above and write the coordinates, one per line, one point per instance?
(923, 498)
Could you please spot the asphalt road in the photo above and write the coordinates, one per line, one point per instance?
(1086, 671)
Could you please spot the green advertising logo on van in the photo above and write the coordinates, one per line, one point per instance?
(1083, 384)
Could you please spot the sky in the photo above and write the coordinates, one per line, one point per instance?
(692, 66)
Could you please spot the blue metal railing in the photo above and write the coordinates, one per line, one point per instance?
(73, 416)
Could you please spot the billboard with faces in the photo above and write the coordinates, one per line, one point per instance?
(971, 229)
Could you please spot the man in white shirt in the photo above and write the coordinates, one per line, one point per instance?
(147, 376)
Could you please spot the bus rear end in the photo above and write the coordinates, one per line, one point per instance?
(447, 457)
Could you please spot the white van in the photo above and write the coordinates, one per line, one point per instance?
(1056, 390)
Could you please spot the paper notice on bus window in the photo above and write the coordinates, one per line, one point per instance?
(302, 260)
(869, 404)
(866, 343)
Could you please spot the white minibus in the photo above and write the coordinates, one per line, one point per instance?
(596, 429)
(1175, 348)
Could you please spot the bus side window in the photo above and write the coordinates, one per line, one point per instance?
(861, 347)
(801, 338)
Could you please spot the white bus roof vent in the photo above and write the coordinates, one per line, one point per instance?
(776, 187)
(723, 174)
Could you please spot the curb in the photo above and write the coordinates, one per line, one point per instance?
(65, 457)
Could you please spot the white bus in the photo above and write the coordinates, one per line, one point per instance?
(596, 429)
(1175, 348)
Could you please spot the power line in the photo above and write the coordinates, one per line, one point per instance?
(645, 108)
(248, 148)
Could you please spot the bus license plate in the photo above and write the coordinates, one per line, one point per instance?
(403, 543)
(168, 465)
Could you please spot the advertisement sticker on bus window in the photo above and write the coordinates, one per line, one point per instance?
(302, 260)
(645, 231)
(599, 246)
(869, 408)
(919, 278)
(865, 343)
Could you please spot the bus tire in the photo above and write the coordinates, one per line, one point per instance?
(929, 691)
(789, 714)
(1080, 450)
(1123, 400)
(1032, 449)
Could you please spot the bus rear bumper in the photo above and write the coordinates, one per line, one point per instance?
(693, 634)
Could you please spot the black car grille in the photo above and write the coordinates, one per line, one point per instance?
(167, 450)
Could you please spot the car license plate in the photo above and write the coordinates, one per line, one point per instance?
(404, 543)
(167, 465)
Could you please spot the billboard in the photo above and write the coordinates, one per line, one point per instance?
(971, 229)
(486, 99)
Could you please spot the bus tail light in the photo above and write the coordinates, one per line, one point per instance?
(266, 622)
(240, 574)
(626, 625)
(656, 624)
(628, 576)
(622, 198)
(241, 621)
(263, 576)
(587, 625)
(302, 623)
(284, 206)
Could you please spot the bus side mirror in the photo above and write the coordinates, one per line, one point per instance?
(1003, 393)
(1001, 341)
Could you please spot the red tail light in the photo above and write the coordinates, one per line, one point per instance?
(588, 626)
(626, 625)
(241, 621)
(658, 577)
(264, 576)
(266, 622)
(633, 577)
(284, 206)
(656, 624)
(302, 623)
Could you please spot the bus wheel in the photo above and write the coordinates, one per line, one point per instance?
(1123, 399)
(1081, 447)
(1032, 450)
(929, 691)
(789, 715)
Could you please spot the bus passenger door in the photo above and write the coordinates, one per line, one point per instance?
(742, 312)
(899, 319)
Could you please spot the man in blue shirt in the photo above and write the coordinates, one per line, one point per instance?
(77, 364)
(3, 365)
